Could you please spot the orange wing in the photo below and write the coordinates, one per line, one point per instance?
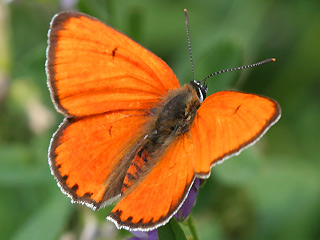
(85, 155)
(226, 123)
(105, 84)
(153, 201)
(92, 68)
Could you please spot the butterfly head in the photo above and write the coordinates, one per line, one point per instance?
(201, 89)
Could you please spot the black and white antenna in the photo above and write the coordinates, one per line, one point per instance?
(201, 86)
(239, 68)
(189, 43)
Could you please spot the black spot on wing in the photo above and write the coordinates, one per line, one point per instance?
(114, 51)
(75, 187)
(237, 109)
(87, 195)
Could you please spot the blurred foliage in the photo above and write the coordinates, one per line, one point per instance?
(270, 191)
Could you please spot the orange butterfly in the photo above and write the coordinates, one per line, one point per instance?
(130, 130)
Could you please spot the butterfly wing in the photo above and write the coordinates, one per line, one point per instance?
(158, 196)
(226, 123)
(92, 68)
(86, 155)
(105, 84)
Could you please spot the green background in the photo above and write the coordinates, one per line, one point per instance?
(270, 191)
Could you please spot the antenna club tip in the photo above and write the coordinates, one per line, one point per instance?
(186, 13)
(273, 59)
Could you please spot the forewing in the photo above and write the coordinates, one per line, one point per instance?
(157, 197)
(92, 68)
(226, 123)
(87, 155)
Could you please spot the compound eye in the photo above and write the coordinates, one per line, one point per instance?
(200, 88)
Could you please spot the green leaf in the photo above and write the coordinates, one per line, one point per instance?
(47, 222)
(240, 169)
(171, 231)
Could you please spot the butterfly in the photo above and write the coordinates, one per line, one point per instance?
(131, 133)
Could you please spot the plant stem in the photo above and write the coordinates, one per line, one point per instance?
(192, 228)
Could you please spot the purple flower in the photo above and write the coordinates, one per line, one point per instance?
(151, 235)
(188, 204)
(181, 215)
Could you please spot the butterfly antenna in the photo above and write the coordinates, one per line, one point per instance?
(189, 43)
(238, 68)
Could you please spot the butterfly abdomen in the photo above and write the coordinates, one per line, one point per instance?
(135, 170)
(171, 119)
